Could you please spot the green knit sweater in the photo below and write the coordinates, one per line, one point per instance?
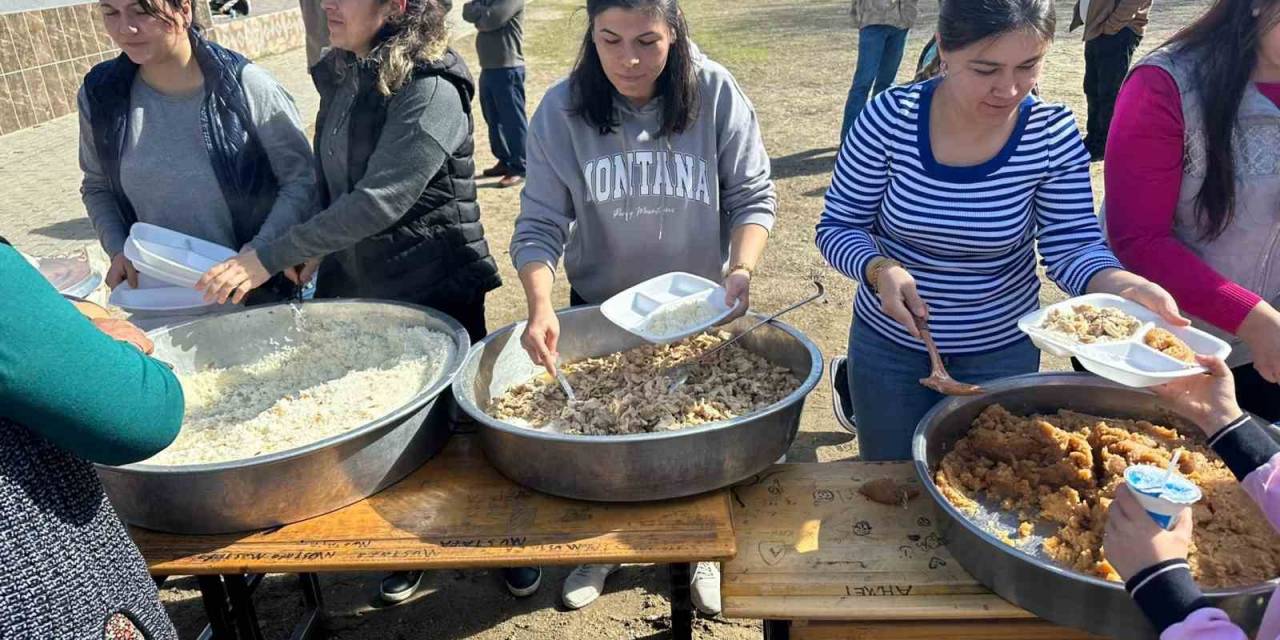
(62, 378)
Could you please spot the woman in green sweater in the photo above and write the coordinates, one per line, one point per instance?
(72, 395)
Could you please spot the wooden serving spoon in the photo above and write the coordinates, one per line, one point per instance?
(939, 380)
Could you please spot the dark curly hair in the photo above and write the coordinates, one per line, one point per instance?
(417, 35)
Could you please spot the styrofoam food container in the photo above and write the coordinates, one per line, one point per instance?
(635, 308)
(173, 257)
(67, 282)
(1129, 362)
(156, 297)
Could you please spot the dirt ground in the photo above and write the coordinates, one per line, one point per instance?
(794, 59)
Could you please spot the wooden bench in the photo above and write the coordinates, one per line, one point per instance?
(818, 560)
(456, 512)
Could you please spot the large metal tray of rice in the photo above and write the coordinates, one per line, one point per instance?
(293, 411)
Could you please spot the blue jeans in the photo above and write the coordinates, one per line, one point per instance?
(502, 103)
(879, 54)
(888, 399)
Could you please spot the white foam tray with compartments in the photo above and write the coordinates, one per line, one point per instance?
(637, 307)
(173, 257)
(1128, 361)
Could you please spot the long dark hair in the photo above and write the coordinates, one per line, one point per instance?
(1223, 43)
(965, 22)
(677, 84)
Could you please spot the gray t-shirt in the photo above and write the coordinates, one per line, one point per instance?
(166, 172)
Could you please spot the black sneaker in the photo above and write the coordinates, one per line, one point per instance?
(400, 586)
(522, 582)
(841, 402)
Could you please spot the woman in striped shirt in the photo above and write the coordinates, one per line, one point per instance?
(942, 192)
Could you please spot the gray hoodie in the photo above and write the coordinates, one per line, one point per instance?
(623, 207)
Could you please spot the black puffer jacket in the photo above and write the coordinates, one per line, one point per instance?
(437, 250)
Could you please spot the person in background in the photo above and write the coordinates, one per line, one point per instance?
(500, 46)
(1192, 185)
(182, 133)
(882, 36)
(942, 195)
(70, 569)
(646, 160)
(400, 219)
(1112, 31)
(1153, 561)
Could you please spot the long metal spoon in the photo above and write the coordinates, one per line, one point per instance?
(564, 382)
(939, 380)
(680, 374)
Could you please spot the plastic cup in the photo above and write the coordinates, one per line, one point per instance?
(1163, 501)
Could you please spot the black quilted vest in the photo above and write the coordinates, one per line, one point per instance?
(436, 252)
(238, 159)
(240, 163)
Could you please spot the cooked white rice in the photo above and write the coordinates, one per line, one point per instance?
(681, 317)
(339, 376)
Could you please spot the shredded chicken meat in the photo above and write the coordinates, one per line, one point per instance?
(625, 392)
(1088, 324)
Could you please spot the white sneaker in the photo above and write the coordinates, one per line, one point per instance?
(704, 587)
(586, 582)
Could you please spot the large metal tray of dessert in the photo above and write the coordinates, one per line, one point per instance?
(1020, 572)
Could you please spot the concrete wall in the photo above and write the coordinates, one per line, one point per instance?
(44, 54)
(46, 50)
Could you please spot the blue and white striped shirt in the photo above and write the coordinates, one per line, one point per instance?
(967, 234)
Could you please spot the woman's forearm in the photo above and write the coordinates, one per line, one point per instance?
(746, 245)
(537, 280)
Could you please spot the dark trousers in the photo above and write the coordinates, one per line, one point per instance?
(576, 300)
(470, 313)
(1106, 63)
(879, 54)
(502, 103)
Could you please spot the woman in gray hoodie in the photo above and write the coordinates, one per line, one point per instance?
(647, 159)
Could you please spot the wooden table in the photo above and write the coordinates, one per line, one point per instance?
(812, 548)
(455, 512)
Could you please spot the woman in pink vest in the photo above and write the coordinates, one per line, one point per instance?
(1193, 183)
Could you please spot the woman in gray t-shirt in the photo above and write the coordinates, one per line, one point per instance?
(184, 134)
